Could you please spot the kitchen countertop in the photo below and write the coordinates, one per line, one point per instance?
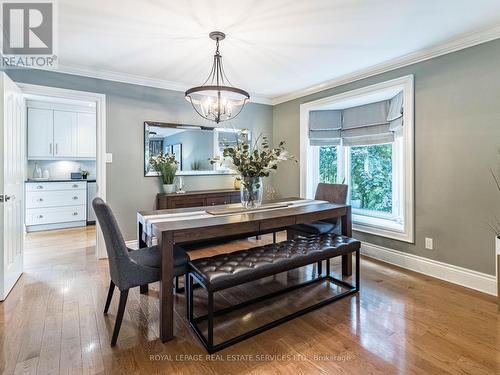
(30, 181)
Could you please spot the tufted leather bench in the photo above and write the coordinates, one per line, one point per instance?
(228, 270)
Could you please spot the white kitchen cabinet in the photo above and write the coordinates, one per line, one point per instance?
(52, 205)
(60, 133)
(40, 133)
(65, 133)
(86, 135)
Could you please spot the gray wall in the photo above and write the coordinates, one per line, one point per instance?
(127, 107)
(197, 146)
(457, 135)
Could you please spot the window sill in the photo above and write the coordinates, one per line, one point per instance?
(382, 227)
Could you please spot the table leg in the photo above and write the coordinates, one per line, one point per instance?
(140, 240)
(347, 231)
(140, 236)
(166, 246)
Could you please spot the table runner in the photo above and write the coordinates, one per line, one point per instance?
(149, 220)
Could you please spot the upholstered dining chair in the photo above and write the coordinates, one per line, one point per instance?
(130, 268)
(333, 193)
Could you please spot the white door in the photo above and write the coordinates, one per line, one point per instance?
(86, 135)
(12, 156)
(65, 133)
(40, 133)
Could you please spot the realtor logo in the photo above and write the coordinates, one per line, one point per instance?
(28, 34)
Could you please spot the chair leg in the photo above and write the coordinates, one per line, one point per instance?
(289, 235)
(119, 316)
(328, 267)
(110, 296)
(144, 289)
(178, 289)
(274, 237)
(320, 268)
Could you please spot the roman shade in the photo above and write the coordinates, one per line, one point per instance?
(372, 123)
(325, 128)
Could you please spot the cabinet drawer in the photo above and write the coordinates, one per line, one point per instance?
(220, 199)
(52, 215)
(42, 186)
(185, 203)
(54, 198)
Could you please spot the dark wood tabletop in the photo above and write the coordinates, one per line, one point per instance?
(170, 231)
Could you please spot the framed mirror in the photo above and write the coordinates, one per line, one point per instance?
(193, 146)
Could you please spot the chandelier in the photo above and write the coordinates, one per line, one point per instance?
(216, 99)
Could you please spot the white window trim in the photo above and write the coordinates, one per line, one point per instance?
(309, 168)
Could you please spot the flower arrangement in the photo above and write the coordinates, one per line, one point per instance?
(252, 162)
(166, 166)
(257, 160)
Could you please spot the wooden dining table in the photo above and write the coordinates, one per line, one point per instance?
(197, 224)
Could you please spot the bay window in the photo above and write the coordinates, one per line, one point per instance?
(364, 139)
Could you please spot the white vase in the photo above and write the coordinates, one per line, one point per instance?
(168, 188)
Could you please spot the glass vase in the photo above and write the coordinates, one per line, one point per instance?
(251, 191)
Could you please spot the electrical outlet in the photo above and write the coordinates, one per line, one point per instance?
(429, 243)
(109, 157)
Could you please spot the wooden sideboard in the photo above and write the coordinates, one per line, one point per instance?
(197, 198)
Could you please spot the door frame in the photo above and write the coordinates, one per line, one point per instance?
(100, 101)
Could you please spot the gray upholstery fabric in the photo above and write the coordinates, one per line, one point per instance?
(127, 270)
(334, 193)
(316, 227)
(151, 257)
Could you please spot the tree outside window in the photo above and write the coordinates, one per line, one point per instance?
(371, 177)
(328, 164)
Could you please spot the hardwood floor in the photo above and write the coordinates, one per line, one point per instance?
(401, 322)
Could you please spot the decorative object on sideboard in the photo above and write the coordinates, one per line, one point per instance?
(237, 183)
(253, 162)
(271, 193)
(166, 166)
(216, 100)
(180, 185)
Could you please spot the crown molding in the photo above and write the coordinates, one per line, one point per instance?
(135, 79)
(465, 41)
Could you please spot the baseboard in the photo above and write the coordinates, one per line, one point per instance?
(457, 275)
(134, 244)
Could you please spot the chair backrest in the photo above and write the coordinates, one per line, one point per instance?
(118, 257)
(334, 193)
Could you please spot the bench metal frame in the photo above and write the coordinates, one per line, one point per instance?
(208, 342)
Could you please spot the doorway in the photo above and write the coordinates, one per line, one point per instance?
(98, 102)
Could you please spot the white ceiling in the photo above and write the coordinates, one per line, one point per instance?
(273, 47)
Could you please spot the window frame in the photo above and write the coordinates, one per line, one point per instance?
(400, 225)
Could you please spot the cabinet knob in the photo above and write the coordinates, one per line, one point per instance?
(75, 213)
(40, 199)
(75, 198)
(40, 217)
(225, 202)
(213, 203)
(75, 185)
(39, 186)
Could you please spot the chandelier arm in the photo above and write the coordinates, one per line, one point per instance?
(211, 74)
(224, 75)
